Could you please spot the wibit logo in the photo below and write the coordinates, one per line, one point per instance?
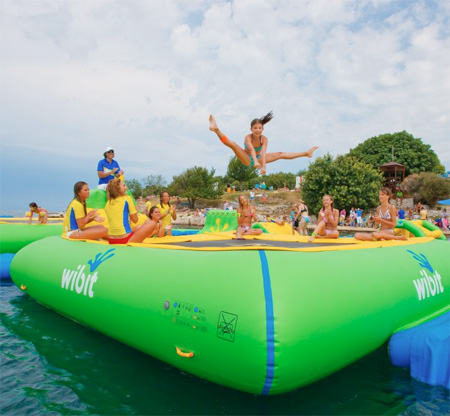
(76, 280)
(430, 283)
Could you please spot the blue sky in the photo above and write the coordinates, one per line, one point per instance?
(143, 77)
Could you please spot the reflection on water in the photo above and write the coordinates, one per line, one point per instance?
(51, 365)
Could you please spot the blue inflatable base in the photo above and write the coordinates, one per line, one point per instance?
(5, 262)
(426, 350)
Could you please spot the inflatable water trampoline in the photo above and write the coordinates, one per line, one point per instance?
(16, 233)
(265, 315)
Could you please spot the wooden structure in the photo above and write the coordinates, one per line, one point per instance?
(394, 174)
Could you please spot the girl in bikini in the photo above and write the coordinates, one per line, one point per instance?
(327, 222)
(246, 214)
(42, 213)
(303, 218)
(386, 217)
(255, 145)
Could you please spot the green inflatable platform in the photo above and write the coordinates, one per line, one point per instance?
(265, 315)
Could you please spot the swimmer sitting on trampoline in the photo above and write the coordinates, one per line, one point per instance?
(386, 217)
(255, 145)
(246, 214)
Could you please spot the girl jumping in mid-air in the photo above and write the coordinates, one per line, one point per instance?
(255, 145)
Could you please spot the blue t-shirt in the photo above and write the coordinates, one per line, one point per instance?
(105, 166)
(359, 212)
(401, 214)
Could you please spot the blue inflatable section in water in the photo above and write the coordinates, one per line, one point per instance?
(426, 350)
(5, 262)
(184, 232)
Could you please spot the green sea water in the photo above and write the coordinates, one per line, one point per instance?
(51, 365)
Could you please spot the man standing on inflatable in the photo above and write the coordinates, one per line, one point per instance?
(255, 145)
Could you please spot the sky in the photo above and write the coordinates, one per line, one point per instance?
(143, 76)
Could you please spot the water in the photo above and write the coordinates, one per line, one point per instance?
(51, 365)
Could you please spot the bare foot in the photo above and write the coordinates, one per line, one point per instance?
(310, 152)
(401, 237)
(212, 123)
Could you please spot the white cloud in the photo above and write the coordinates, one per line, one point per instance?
(143, 76)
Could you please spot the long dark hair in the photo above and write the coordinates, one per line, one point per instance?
(263, 120)
(76, 190)
(160, 198)
(152, 209)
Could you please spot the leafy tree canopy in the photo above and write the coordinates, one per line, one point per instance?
(351, 183)
(427, 187)
(153, 184)
(408, 150)
(277, 180)
(195, 183)
(134, 187)
(237, 171)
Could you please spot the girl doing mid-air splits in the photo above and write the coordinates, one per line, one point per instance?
(255, 145)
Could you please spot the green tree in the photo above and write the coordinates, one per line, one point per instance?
(134, 187)
(427, 187)
(409, 151)
(351, 183)
(239, 172)
(153, 184)
(195, 183)
(277, 180)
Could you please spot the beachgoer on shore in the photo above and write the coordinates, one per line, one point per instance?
(148, 205)
(255, 145)
(386, 218)
(42, 213)
(423, 214)
(303, 217)
(108, 169)
(121, 211)
(246, 214)
(327, 220)
(342, 216)
(77, 219)
(168, 211)
(359, 219)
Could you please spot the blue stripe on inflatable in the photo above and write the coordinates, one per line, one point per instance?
(270, 327)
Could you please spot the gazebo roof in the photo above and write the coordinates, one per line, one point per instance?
(391, 164)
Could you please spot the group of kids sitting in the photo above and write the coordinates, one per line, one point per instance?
(328, 220)
(122, 216)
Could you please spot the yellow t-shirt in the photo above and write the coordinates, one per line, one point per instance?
(75, 210)
(148, 205)
(167, 220)
(118, 212)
